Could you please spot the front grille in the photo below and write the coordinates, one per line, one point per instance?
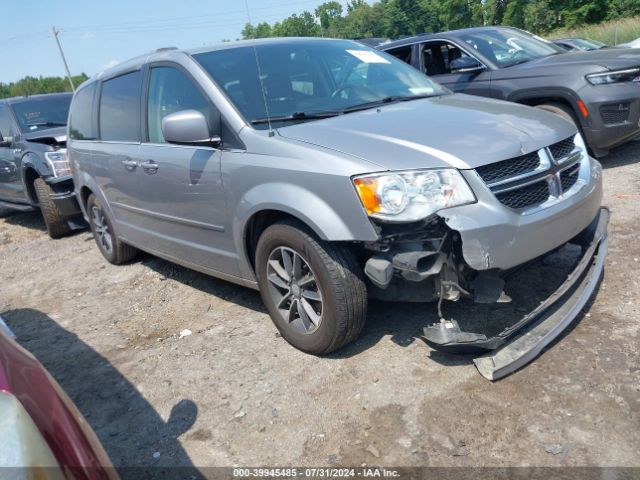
(614, 113)
(528, 181)
(526, 196)
(509, 168)
(562, 149)
(569, 177)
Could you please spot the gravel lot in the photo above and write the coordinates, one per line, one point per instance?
(234, 393)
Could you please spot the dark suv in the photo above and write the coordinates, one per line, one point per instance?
(599, 91)
(34, 170)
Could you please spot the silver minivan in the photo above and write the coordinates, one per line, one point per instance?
(324, 173)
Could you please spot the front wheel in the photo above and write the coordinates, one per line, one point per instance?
(314, 290)
(561, 111)
(56, 224)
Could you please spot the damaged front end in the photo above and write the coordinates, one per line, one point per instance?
(425, 262)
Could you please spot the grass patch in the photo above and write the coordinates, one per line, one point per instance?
(613, 32)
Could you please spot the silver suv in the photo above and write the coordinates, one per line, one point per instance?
(323, 173)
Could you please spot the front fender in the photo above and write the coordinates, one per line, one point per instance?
(343, 219)
(36, 162)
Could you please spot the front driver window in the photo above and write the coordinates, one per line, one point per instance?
(171, 91)
(437, 57)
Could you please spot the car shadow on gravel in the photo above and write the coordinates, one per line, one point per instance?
(32, 220)
(139, 442)
(227, 291)
(626, 154)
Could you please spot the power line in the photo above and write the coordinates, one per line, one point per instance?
(169, 21)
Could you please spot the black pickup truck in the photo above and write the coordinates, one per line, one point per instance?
(34, 169)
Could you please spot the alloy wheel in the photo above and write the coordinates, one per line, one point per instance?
(294, 290)
(101, 229)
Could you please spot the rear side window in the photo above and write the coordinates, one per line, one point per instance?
(120, 108)
(81, 125)
(171, 91)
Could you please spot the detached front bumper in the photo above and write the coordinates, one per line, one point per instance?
(522, 342)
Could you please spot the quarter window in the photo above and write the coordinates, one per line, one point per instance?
(171, 91)
(81, 116)
(120, 108)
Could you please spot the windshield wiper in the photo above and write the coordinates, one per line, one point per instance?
(387, 101)
(295, 116)
(317, 115)
(46, 124)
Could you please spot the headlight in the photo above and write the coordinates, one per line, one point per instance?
(59, 162)
(615, 76)
(412, 195)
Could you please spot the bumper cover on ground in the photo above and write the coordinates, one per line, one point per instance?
(522, 342)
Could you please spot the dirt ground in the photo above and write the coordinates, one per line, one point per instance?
(234, 393)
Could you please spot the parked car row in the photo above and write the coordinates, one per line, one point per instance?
(596, 90)
(34, 171)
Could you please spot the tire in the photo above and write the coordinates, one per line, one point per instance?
(112, 248)
(337, 295)
(56, 224)
(560, 110)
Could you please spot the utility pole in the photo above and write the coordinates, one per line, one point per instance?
(64, 60)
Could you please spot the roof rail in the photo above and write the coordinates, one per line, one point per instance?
(165, 49)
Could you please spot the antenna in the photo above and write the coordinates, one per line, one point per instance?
(264, 95)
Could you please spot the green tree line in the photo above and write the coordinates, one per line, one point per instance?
(33, 85)
(396, 18)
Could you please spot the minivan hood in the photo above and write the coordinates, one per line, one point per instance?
(455, 130)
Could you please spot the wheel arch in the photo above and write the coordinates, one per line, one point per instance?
(563, 97)
(29, 175)
(269, 203)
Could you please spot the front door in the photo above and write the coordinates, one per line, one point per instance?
(438, 61)
(11, 187)
(188, 215)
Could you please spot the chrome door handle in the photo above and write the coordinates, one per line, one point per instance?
(150, 166)
(130, 164)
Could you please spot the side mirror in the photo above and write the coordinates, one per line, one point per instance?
(466, 65)
(188, 127)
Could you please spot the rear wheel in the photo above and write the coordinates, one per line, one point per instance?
(314, 290)
(56, 224)
(111, 247)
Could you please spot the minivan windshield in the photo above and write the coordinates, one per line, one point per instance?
(304, 80)
(41, 113)
(507, 47)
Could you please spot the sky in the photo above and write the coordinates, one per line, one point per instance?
(98, 34)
